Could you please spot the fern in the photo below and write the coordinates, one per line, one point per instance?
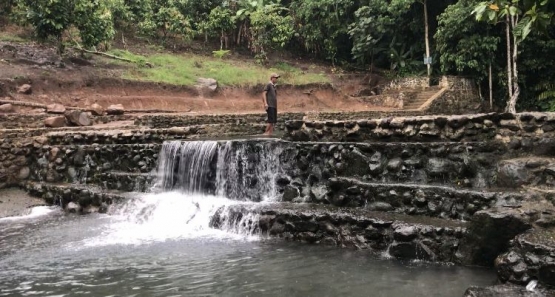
(546, 94)
(220, 54)
(546, 90)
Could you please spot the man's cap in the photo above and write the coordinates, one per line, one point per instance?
(274, 75)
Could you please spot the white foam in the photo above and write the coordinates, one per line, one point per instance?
(34, 212)
(165, 216)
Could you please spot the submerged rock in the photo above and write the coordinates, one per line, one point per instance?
(506, 291)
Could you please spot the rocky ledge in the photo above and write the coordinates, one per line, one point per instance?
(75, 198)
(401, 236)
(531, 257)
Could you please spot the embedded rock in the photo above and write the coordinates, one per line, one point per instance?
(25, 89)
(55, 122)
(6, 108)
(78, 118)
(115, 109)
(55, 108)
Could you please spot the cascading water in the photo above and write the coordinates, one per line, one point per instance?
(247, 171)
(185, 166)
(195, 181)
(237, 170)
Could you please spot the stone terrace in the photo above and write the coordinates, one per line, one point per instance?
(469, 189)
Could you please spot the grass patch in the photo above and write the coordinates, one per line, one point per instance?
(7, 37)
(185, 69)
(138, 59)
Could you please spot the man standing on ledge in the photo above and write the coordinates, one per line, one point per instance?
(269, 97)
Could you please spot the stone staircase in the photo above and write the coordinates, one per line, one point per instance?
(421, 97)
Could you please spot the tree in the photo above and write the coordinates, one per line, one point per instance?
(264, 24)
(166, 17)
(465, 47)
(519, 18)
(52, 18)
(218, 22)
(323, 25)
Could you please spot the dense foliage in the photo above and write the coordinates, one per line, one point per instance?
(508, 44)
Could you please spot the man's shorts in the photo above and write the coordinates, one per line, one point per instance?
(272, 115)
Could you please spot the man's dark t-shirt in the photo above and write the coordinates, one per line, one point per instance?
(271, 95)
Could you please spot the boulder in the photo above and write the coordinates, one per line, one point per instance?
(490, 233)
(5, 108)
(207, 85)
(55, 108)
(78, 118)
(55, 122)
(73, 207)
(405, 233)
(25, 89)
(96, 109)
(115, 109)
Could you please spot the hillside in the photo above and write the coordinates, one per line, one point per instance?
(159, 80)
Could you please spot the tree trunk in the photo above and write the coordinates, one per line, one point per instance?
(509, 64)
(426, 33)
(516, 88)
(490, 87)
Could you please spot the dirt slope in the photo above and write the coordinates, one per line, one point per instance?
(76, 82)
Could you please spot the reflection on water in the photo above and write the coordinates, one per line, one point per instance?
(60, 255)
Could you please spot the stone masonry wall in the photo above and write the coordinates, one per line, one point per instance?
(78, 164)
(402, 236)
(478, 127)
(406, 83)
(462, 97)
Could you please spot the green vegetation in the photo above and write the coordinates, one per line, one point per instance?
(185, 69)
(506, 42)
(4, 36)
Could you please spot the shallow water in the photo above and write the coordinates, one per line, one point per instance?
(161, 245)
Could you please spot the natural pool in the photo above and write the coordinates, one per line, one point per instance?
(161, 245)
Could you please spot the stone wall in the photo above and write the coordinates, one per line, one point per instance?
(402, 236)
(417, 82)
(14, 162)
(143, 136)
(74, 198)
(477, 127)
(78, 164)
(390, 100)
(531, 257)
(462, 97)
(28, 121)
(168, 121)
(14, 121)
(433, 179)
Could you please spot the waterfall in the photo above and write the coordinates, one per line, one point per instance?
(185, 166)
(239, 170)
(248, 171)
(195, 183)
